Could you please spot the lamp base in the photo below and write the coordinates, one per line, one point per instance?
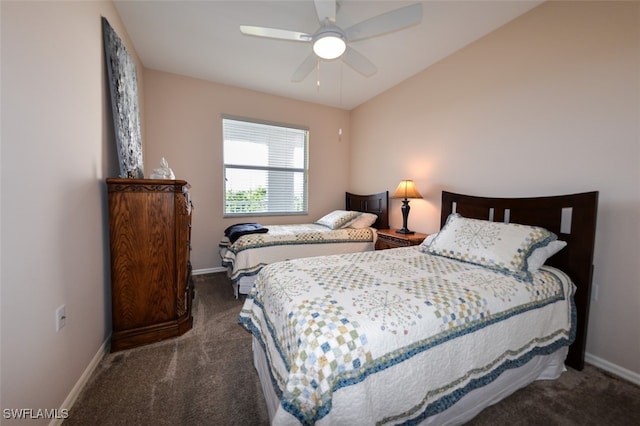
(405, 216)
(404, 231)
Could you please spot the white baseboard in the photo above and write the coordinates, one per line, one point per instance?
(612, 368)
(84, 378)
(208, 270)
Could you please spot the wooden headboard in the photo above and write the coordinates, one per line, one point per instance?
(571, 217)
(377, 204)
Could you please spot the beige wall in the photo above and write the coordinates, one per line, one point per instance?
(57, 148)
(183, 117)
(549, 104)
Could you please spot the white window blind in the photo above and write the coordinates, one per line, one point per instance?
(265, 168)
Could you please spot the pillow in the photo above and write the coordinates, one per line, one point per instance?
(504, 247)
(541, 254)
(537, 258)
(428, 240)
(364, 220)
(337, 218)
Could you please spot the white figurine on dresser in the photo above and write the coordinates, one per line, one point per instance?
(164, 172)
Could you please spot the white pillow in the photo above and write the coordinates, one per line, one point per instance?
(428, 240)
(364, 220)
(541, 254)
(535, 260)
(338, 218)
(504, 247)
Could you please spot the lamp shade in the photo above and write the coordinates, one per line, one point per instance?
(406, 189)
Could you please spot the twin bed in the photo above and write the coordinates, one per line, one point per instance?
(245, 256)
(430, 334)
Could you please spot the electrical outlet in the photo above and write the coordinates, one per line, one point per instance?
(61, 317)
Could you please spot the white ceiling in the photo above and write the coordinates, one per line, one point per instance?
(202, 39)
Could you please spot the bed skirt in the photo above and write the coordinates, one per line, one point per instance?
(245, 277)
(243, 285)
(541, 367)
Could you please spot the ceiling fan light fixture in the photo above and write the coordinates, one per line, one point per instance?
(329, 45)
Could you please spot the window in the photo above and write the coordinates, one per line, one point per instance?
(265, 168)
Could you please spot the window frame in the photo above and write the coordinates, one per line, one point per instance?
(304, 170)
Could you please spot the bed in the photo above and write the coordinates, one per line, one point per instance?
(429, 334)
(245, 256)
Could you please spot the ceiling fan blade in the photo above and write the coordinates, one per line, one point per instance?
(386, 23)
(326, 9)
(274, 33)
(358, 62)
(305, 68)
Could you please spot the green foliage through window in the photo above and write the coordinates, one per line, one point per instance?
(246, 201)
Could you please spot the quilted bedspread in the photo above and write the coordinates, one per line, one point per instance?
(394, 336)
(280, 243)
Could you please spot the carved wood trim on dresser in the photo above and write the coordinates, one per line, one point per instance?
(151, 285)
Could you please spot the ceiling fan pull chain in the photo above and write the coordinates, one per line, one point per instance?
(340, 94)
(318, 75)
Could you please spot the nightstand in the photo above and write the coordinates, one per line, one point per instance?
(389, 238)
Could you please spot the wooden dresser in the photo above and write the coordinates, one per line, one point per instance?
(151, 285)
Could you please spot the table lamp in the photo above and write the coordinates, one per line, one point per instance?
(406, 189)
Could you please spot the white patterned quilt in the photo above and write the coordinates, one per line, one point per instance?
(247, 255)
(394, 336)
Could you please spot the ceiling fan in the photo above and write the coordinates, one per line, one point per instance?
(332, 42)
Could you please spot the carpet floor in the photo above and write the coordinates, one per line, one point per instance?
(206, 377)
